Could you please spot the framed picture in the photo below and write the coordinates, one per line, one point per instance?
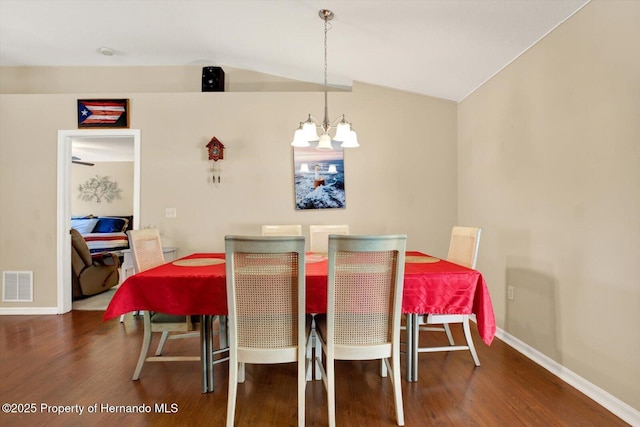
(319, 177)
(103, 113)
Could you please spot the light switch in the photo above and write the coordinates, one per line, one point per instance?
(170, 212)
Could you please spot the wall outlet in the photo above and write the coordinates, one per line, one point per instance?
(170, 212)
(510, 293)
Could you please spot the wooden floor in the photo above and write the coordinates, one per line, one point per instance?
(78, 361)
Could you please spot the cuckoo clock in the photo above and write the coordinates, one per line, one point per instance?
(216, 152)
(216, 149)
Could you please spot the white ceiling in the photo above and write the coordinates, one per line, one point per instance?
(444, 48)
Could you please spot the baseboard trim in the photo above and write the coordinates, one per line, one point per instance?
(605, 399)
(29, 311)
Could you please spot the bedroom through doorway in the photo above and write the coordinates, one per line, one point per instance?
(98, 176)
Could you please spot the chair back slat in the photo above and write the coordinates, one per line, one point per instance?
(364, 295)
(266, 296)
(366, 277)
(265, 278)
(463, 248)
(319, 236)
(146, 248)
(282, 230)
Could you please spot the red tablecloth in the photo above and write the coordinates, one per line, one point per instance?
(438, 287)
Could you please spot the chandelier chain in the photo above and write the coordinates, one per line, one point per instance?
(326, 125)
(325, 52)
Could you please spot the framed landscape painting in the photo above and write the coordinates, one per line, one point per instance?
(103, 113)
(319, 178)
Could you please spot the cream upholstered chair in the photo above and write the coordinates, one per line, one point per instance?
(147, 253)
(463, 250)
(282, 230)
(319, 235)
(366, 277)
(266, 303)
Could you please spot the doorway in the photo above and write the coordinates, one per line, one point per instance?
(65, 144)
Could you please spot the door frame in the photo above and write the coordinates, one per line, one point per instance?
(65, 141)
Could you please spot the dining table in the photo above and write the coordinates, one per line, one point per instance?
(196, 285)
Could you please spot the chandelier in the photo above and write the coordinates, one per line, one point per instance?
(308, 130)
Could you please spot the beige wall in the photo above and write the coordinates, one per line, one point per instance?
(549, 161)
(118, 172)
(402, 179)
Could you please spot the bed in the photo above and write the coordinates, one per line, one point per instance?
(104, 233)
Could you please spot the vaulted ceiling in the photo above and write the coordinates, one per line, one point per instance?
(443, 48)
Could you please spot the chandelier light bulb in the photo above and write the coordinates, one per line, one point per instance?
(325, 142)
(299, 139)
(351, 141)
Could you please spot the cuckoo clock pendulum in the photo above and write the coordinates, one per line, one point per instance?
(216, 152)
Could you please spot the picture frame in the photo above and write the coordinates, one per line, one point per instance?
(103, 113)
(319, 178)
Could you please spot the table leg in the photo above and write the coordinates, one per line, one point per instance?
(409, 348)
(206, 348)
(414, 350)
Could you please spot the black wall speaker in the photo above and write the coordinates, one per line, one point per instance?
(212, 79)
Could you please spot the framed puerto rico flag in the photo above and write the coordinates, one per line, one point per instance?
(103, 113)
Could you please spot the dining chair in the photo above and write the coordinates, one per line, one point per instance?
(319, 235)
(147, 253)
(282, 230)
(364, 301)
(266, 303)
(463, 250)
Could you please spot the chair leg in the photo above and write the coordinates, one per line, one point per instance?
(397, 387)
(302, 384)
(313, 344)
(383, 368)
(467, 336)
(318, 350)
(233, 388)
(146, 343)
(331, 391)
(447, 330)
(241, 372)
(133, 313)
(163, 340)
(223, 331)
(309, 351)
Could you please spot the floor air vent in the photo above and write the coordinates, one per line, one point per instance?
(17, 286)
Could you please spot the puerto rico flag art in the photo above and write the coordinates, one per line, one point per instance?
(111, 113)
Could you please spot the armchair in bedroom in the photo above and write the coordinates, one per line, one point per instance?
(91, 274)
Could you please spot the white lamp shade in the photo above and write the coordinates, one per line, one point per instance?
(332, 169)
(342, 131)
(299, 140)
(351, 141)
(325, 142)
(304, 167)
(310, 132)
